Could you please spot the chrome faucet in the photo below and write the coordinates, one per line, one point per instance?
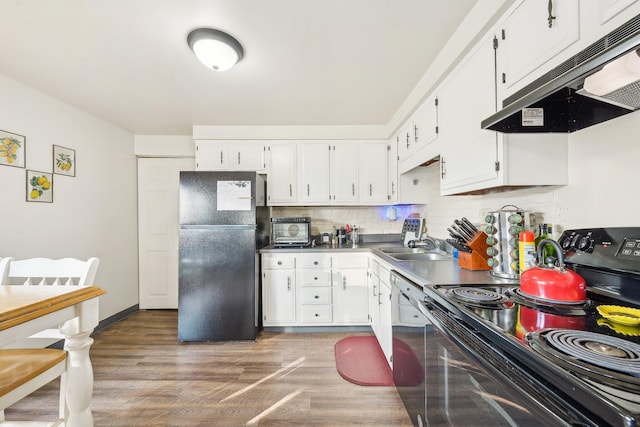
(426, 242)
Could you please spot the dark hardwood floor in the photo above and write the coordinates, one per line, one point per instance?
(144, 377)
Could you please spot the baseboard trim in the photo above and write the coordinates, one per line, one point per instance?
(116, 317)
(104, 323)
(307, 329)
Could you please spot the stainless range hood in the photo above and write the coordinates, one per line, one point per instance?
(559, 101)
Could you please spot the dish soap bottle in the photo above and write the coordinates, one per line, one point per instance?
(527, 250)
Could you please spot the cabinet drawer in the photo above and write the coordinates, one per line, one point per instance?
(315, 314)
(343, 260)
(278, 261)
(315, 295)
(318, 260)
(314, 277)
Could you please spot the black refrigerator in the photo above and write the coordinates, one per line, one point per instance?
(224, 221)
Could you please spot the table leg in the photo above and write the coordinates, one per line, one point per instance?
(78, 384)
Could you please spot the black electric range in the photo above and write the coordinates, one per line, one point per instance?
(585, 365)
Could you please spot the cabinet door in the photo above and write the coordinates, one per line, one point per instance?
(344, 173)
(247, 156)
(392, 171)
(282, 174)
(529, 39)
(211, 156)
(350, 303)
(373, 299)
(385, 319)
(404, 138)
(469, 153)
(372, 167)
(425, 123)
(278, 297)
(314, 173)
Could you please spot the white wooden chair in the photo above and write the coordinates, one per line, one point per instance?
(47, 272)
(25, 370)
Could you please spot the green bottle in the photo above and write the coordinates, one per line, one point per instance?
(544, 232)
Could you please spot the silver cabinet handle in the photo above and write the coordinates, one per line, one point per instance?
(344, 283)
(221, 157)
(550, 9)
(353, 189)
(407, 139)
(290, 190)
(315, 262)
(370, 189)
(393, 187)
(415, 133)
(279, 262)
(308, 190)
(288, 283)
(238, 157)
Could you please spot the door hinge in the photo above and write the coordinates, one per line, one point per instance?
(504, 34)
(504, 77)
(437, 129)
(436, 102)
(495, 43)
(497, 166)
(388, 148)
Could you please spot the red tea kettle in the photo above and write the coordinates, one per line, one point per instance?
(551, 283)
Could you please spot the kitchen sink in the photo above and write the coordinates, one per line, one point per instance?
(423, 256)
(398, 250)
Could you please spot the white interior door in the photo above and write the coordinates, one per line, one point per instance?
(158, 191)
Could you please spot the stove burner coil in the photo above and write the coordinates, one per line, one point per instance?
(478, 297)
(598, 349)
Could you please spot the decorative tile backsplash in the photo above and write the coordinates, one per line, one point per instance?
(369, 219)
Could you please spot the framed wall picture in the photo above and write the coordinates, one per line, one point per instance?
(12, 149)
(64, 161)
(39, 186)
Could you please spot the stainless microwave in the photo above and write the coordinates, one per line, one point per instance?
(291, 232)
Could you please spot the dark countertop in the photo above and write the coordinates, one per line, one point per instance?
(444, 272)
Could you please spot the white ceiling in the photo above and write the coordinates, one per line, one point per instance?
(307, 62)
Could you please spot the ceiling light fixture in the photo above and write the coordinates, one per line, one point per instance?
(215, 49)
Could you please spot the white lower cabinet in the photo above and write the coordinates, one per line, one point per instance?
(313, 280)
(350, 296)
(380, 317)
(384, 316)
(278, 290)
(315, 289)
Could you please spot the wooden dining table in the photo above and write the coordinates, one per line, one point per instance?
(25, 310)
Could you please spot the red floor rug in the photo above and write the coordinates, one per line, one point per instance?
(360, 360)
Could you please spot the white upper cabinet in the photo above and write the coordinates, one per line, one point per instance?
(344, 173)
(404, 139)
(466, 98)
(313, 159)
(282, 174)
(474, 159)
(535, 32)
(373, 177)
(423, 136)
(392, 171)
(230, 156)
(604, 16)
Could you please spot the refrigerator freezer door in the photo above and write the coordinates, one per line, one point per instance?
(217, 291)
(206, 198)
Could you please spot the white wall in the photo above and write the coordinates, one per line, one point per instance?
(603, 185)
(93, 213)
